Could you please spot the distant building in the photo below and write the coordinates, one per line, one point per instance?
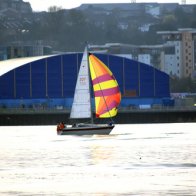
(153, 9)
(145, 27)
(176, 57)
(134, 9)
(123, 9)
(3, 53)
(181, 61)
(49, 81)
(148, 54)
(144, 58)
(20, 49)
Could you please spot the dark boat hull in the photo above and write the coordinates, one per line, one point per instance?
(86, 130)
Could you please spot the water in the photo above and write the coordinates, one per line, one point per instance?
(151, 159)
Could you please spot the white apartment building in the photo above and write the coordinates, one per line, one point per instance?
(181, 63)
(176, 56)
(145, 58)
(171, 61)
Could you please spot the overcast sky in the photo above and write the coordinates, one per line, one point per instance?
(40, 5)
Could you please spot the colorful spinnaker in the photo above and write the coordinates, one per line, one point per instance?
(106, 89)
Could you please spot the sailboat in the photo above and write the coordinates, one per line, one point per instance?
(106, 94)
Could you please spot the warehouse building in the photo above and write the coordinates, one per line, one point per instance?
(49, 81)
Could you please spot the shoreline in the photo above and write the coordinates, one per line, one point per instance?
(126, 116)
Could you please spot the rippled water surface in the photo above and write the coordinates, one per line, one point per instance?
(147, 159)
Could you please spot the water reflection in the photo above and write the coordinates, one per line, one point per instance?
(101, 154)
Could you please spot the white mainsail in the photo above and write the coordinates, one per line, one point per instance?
(81, 107)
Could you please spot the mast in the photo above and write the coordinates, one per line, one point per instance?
(89, 79)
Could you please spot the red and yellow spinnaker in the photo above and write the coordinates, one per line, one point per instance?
(106, 89)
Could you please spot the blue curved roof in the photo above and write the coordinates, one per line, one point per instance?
(55, 77)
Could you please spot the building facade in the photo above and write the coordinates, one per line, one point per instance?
(20, 49)
(181, 63)
(51, 81)
(148, 54)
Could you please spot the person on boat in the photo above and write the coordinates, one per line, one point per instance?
(60, 126)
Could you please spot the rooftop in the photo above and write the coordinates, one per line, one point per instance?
(8, 65)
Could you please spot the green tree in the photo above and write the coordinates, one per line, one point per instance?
(181, 17)
(193, 18)
(169, 22)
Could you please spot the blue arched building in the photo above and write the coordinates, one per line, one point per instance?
(50, 81)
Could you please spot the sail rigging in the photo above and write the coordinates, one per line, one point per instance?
(106, 90)
(106, 94)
